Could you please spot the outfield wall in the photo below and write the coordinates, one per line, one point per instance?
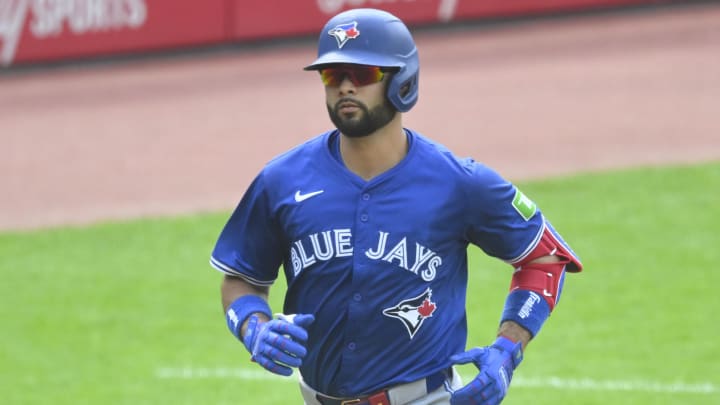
(33, 31)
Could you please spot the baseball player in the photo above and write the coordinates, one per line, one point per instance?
(371, 222)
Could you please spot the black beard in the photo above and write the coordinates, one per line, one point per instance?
(364, 122)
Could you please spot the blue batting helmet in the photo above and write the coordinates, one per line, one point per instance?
(375, 38)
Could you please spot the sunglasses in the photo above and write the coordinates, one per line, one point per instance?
(358, 75)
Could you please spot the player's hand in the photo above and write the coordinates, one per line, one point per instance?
(279, 344)
(496, 364)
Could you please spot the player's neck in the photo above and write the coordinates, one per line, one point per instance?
(376, 153)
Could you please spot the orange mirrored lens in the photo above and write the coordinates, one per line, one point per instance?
(359, 76)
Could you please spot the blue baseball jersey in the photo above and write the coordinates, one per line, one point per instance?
(381, 264)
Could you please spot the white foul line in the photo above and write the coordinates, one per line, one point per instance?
(197, 373)
(582, 384)
(587, 384)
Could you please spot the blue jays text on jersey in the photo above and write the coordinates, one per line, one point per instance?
(336, 243)
(381, 264)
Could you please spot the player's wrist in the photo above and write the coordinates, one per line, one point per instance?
(240, 310)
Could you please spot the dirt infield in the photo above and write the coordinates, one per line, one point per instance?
(531, 99)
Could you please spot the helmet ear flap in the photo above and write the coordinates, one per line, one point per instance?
(403, 89)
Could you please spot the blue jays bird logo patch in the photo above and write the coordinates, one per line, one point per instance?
(413, 312)
(345, 32)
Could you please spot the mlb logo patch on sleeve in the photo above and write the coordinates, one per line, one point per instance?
(523, 205)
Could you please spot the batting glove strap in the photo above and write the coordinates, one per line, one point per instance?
(513, 348)
(240, 309)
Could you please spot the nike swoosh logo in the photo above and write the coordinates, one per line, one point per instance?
(302, 197)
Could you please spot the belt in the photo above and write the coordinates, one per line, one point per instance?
(382, 397)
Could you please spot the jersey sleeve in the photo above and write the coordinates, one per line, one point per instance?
(502, 221)
(249, 245)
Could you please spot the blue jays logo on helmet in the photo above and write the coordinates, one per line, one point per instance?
(344, 33)
(413, 312)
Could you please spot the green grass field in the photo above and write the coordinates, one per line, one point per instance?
(129, 313)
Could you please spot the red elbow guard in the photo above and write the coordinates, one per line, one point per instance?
(546, 279)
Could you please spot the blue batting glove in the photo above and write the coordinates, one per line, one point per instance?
(496, 364)
(279, 344)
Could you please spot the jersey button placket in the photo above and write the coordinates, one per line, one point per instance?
(362, 234)
(364, 217)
